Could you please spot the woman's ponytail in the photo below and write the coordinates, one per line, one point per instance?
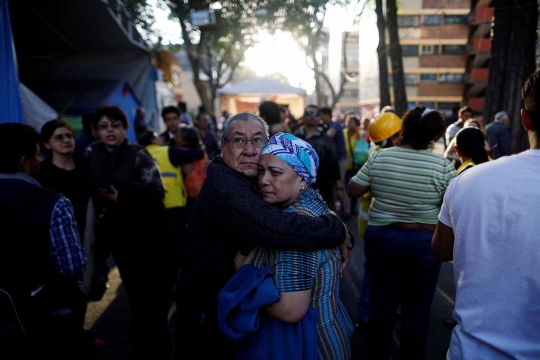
(470, 142)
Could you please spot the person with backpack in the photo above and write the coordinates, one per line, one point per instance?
(42, 260)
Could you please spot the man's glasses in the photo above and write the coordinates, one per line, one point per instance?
(60, 137)
(106, 126)
(239, 142)
(311, 113)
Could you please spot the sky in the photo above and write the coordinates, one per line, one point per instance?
(272, 54)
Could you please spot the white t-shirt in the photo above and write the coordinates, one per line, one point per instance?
(494, 210)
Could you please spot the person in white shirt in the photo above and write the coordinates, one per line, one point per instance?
(489, 225)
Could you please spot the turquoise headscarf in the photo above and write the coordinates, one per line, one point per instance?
(296, 153)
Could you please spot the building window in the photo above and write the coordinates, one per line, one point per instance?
(408, 21)
(410, 79)
(430, 49)
(350, 93)
(409, 50)
(451, 78)
(428, 104)
(428, 77)
(448, 105)
(432, 20)
(454, 49)
(456, 19)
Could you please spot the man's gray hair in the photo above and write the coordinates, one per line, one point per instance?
(243, 117)
(501, 115)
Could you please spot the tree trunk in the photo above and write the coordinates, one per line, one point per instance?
(400, 93)
(512, 61)
(383, 61)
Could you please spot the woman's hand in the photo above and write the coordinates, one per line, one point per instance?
(241, 260)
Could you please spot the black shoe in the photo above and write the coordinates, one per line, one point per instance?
(449, 323)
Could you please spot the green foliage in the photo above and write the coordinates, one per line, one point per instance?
(143, 15)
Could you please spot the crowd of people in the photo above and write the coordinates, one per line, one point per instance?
(245, 231)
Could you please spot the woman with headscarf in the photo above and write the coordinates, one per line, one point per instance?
(408, 183)
(308, 282)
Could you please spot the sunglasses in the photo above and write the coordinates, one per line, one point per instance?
(60, 137)
(311, 113)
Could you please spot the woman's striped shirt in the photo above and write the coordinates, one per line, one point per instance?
(318, 270)
(407, 185)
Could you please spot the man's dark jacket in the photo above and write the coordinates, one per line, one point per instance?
(328, 172)
(498, 138)
(230, 215)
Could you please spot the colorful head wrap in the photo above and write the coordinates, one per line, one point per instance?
(296, 153)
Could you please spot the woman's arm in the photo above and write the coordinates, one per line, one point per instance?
(356, 190)
(291, 307)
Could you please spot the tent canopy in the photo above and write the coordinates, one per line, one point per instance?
(261, 86)
(65, 40)
(77, 98)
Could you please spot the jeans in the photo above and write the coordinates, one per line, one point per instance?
(402, 269)
(364, 299)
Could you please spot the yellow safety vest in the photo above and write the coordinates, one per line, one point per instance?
(175, 191)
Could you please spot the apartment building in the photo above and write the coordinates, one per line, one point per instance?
(479, 54)
(349, 100)
(434, 36)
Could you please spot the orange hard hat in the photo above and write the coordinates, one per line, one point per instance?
(384, 126)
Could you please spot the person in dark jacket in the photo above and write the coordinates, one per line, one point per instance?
(329, 175)
(171, 118)
(128, 197)
(498, 136)
(42, 260)
(88, 135)
(229, 215)
(207, 136)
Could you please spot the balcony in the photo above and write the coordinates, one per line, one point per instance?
(479, 75)
(481, 45)
(483, 14)
(476, 103)
(482, 21)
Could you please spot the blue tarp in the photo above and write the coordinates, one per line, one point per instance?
(10, 99)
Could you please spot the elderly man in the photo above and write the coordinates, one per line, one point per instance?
(489, 225)
(464, 114)
(229, 216)
(498, 135)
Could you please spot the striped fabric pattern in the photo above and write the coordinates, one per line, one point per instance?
(408, 185)
(319, 271)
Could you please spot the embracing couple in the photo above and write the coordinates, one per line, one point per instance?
(264, 206)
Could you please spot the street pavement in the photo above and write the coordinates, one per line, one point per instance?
(109, 318)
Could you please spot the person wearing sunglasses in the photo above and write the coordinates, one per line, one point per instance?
(63, 171)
